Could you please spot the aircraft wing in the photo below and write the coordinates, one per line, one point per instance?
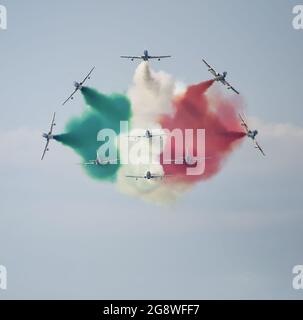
(158, 57)
(230, 87)
(161, 176)
(158, 135)
(200, 159)
(45, 149)
(110, 161)
(102, 162)
(243, 123)
(142, 136)
(89, 163)
(258, 147)
(155, 135)
(210, 68)
(52, 124)
(70, 96)
(183, 161)
(234, 90)
(174, 161)
(157, 176)
(135, 177)
(88, 75)
(131, 57)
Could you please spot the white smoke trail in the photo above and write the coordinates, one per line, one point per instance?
(151, 97)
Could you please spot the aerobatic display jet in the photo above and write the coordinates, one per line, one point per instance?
(251, 134)
(220, 77)
(78, 86)
(145, 57)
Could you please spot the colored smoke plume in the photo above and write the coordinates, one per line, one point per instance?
(154, 103)
(195, 109)
(102, 111)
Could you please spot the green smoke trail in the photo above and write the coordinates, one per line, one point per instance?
(103, 112)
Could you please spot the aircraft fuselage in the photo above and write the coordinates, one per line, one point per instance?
(145, 56)
(47, 136)
(148, 175)
(78, 85)
(190, 160)
(252, 134)
(148, 134)
(221, 77)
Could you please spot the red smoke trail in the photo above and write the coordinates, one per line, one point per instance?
(212, 112)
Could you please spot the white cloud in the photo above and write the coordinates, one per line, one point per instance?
(277, 130)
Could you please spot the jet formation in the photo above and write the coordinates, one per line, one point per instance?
(148, 134)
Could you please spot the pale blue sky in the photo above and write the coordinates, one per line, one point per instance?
(65, 236)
